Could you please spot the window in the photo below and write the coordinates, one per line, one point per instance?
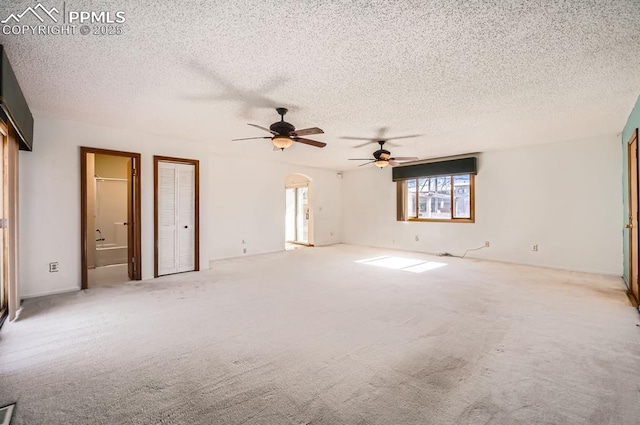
(438, 198)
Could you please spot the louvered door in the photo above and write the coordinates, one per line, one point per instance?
(176, 209)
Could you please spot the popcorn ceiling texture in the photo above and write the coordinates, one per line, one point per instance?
(468, 76)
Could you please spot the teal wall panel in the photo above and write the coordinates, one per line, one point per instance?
(632, 123)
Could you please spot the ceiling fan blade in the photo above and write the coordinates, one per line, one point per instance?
(366, 163)
(403, 158)
(402, 137)
(309, 142)
(251, 138)
(359, 138)
(393, 163)
(360, 159)
(307, 131)
(364, 144)
(263, 128)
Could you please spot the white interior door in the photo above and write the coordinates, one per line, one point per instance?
(176, 217)
(186, 217)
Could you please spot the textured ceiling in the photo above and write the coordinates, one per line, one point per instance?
(466, 75)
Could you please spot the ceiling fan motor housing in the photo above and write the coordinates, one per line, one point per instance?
(382, 154)
(282, 127)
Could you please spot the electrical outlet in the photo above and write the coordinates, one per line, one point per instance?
(486, 244)
(534, 247)
(417, 238)
(53, 267)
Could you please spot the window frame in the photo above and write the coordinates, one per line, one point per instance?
(403, 194)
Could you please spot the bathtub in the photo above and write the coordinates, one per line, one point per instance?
(108, 254)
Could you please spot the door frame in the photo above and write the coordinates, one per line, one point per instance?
(4, 281)
(10, 175)
(632, 157)
(196, 237)
(296, 188)
(310, 220)
(135, 205)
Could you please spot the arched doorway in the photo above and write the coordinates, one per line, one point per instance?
(298, 211)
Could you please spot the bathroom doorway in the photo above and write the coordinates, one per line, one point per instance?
(110, 217)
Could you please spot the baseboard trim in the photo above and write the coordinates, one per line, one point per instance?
(497, 260)
(44, 294)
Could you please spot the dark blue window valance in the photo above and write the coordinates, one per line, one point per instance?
(440, 168)
(13, 105)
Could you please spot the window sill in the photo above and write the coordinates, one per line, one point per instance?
(441, 220)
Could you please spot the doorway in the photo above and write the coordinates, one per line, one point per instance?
(176, 193)
(298, 216)
(632, 224)
(111, 231)
(4, 282)
(9, 296)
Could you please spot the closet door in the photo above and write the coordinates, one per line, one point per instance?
(167, 215)
(176, 223)
(185, 184)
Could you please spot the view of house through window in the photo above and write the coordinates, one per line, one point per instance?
(439, 198)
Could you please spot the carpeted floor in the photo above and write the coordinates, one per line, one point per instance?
(312, 336)
(108, 275)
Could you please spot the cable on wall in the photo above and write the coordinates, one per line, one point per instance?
(447, 254)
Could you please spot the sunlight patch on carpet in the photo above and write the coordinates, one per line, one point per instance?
(401, 263)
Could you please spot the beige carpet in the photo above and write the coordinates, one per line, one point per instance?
(312, 336)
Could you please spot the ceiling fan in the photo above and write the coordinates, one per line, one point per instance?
(284, 134)
(382, 157)
(379, 137)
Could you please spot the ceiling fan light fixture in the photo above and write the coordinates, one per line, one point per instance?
(282, 142)
(381, 163)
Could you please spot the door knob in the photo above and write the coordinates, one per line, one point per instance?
(186, 227)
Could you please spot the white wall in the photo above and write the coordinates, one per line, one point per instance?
(566, 197)
(50, 198)
(240, 199)
(248, 203)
